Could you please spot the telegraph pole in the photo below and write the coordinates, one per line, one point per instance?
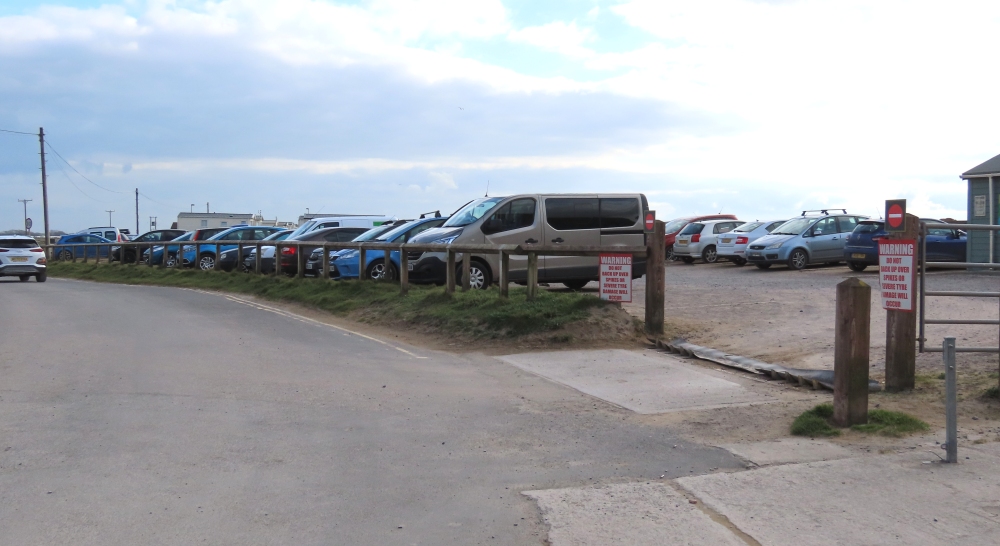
(26, 201)
(109, 217)
(45, 188)
(137, 211)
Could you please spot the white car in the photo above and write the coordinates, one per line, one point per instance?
(698, 240)
(20, 256)
(733, 245)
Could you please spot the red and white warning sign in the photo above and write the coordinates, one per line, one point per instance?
(895, 273)
(616, 277)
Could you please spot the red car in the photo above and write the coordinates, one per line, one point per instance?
(675, 226)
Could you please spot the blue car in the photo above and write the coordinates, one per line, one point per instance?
(943, 244)
(171, 251)
(204, 255)
(815, 237)
(346, 263)
(68, 246)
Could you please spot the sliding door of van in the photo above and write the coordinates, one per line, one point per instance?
(515, 222)
(571, 221)
(621, 221)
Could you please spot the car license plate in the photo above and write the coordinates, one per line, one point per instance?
(309, 266)
(726, 241)
(859, 256)
(19, 259)
(682, 243)
(409, 267)
(755, 254)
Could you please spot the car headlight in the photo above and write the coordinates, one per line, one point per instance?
(775, 245)
(447, 240)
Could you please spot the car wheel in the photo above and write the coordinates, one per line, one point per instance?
(739, 262)
(668, 254)
(206, 262)
(24, 278)
(687, 259)
(710, 255)
(479, 275)
(798, 259)
(41, 277)
(172, 260)
(763, 266)
(855, 266)
(65, 255)
(576, 284)
(376, 271)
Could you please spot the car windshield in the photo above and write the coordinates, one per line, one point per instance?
(17, 243)
(472, 212)
(868, 227)
(279, 236)
(793, 227)
(748, 227)
(692, 228)
(222, 235)
(302, 229)
(186, 237)
(392, 234)
(373, 233)
(675, 225)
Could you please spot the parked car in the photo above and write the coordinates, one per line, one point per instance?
(289, 254)
(343, 220)
(346, 264)
(68, 246)
(204, 255)
(570, 219)
(698, 240)
(943, 244)
(675, 226)
(733, 245)
(148, 237)
(20, 256)
(228, 259)
(172, 250)
(816, 236)
(110, 233)
(267, 252)
(313, 264)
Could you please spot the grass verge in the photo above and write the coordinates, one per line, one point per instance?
(477, 314)
(816, 422)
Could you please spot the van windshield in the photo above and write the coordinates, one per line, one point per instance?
(472, 212)
(793, 227)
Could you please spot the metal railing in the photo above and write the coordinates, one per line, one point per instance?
(924, 293)
(452, 252)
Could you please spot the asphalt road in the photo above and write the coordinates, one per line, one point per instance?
(143, 415)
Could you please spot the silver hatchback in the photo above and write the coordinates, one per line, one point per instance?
(20, 256)
(699, 240)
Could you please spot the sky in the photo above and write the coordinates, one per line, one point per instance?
(753, 107)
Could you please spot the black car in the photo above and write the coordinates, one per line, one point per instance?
(154, 236)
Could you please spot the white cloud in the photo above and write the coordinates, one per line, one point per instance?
(564, 38)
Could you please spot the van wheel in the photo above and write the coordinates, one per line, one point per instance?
(763, 266)
(576, 284)
(855, 266)
(206, 262)
(479, 275)
(798, 259)
(710, 255)
(687, 259)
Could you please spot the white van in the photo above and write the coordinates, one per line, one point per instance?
(343, 220)
(109, 232)
(551, 219)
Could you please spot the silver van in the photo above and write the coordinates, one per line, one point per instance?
(550, 219)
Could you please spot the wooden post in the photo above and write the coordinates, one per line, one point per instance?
(532, 276)
(655, 279)
(97, 257)
(163, 262)
(450, 272)
(387, 266)
(901, 329)
(326, 262)
(404, 272)
(850, 353)
(239, 256)
(218, 254)
(277, 259)
(466, 266)
(300, 261)
(256, 258)
(504, 274)
(362, 264)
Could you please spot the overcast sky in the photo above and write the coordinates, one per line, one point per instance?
(758, 108)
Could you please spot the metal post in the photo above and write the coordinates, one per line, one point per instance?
(951, 401)
(326, 261)
(532, 276)
(923, 282)
(504, 274)
(466, 267)
(362, 264)
(404, 271)
(450, 272)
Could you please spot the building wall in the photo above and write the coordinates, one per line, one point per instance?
(189, 221)
(979, 241)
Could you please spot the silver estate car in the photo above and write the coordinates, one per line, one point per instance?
(815, 237)
(733, 245)
(20, 256)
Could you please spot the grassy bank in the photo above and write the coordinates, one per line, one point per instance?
(473, 314)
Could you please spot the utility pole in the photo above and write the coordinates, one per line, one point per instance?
(137, 211)
(45, 187)
(109, 217)
(152, 223)
(26, 201)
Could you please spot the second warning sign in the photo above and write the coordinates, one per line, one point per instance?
(895, 272)
(616, 277)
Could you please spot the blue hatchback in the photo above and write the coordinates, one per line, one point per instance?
(943, 244)
(68, 246)
(346, 263)
(204, 255)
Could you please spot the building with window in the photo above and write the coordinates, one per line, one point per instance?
(189, 221)
(984, 208)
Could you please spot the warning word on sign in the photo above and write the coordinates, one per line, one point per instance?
(616, 277)
(895, 270)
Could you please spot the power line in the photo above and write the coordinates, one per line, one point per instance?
(17, 132)
(70, 180)
(79, 173)
(155, 201)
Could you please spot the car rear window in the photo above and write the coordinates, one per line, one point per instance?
(692, 229)
(868, 227)
(17, 243)
(675, 225)
(748, 227)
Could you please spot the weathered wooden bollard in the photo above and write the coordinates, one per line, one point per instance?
(901, 329)
(850, 353)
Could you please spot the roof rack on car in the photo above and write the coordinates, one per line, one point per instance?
(823, 211)
(436, 213)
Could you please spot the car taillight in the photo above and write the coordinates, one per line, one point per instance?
(288, 250)
(742, 240)
(3, 250)
(37, 250)
(696, 238)
(40, 261)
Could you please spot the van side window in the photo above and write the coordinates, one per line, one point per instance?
(519, 213)
(566, 213)
(619, 212)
